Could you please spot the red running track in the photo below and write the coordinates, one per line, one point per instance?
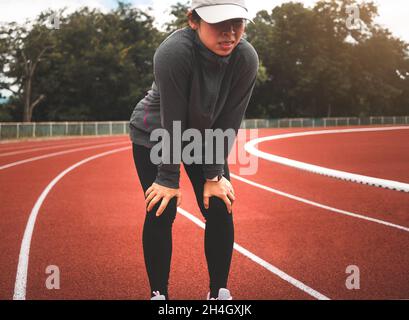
(341, 152)
(90, 223)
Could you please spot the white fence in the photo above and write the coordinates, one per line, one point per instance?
(16, 130)
(323, 122)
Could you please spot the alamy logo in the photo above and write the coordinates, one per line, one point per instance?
(353, 280)
(53, 22)
(53, 280)
(353, 22)
(211, 147)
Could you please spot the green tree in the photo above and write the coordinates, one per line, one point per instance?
(318, 66)
(380, 82)
(178, 11)
(99, 65)
(22, 51)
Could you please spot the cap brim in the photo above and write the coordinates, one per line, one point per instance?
(222, 12)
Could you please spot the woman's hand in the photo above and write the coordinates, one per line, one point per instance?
(157, 192)
(222, 189)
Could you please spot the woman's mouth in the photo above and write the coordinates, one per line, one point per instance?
(227, 45)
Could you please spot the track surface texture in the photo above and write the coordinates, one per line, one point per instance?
(77, 204)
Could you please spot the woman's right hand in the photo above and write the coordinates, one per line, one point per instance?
(222, 189)
(157, 192)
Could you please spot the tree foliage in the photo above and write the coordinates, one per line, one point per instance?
(96, 66)
(319, 67)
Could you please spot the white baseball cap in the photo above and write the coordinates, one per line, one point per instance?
(215, 11)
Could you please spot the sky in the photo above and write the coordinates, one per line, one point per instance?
(393, 14)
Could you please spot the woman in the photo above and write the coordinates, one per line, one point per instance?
(204, 77)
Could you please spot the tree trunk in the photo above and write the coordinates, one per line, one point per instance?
(27, 97)
(29, 70)
(329, 111)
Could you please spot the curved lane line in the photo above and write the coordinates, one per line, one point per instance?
(22, 267)
(281, 274)
(250, 147)
(51, 147)
(49, 155)
(21, 278)
(319, 205)
(20, 288)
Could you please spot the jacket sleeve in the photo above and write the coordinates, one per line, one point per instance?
(234, 110)
(172, 77)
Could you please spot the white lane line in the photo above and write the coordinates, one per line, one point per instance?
(20, 287)
(22, 268)
(281, 274)
(10, 146)
(53, 147)
(319, 205)
(49, 155)
(250, 147)
(21, 278)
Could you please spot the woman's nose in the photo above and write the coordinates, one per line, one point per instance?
(229, 28)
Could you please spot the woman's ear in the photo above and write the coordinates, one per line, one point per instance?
(192, 23)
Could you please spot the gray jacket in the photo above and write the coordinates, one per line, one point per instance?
(197, 87)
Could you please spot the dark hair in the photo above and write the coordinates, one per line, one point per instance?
(195, 17)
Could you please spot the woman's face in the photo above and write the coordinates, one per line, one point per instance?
(222, 37)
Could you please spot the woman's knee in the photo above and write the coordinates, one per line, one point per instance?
(166, 218)
(217, 211)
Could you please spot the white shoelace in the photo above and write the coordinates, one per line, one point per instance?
(156, 293)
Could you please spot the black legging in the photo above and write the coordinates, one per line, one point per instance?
(157, 231)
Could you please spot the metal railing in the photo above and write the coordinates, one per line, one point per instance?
(323, 122)
(17, 130)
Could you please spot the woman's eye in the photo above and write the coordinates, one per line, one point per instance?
(238, 23)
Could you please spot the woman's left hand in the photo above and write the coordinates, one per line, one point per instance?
(222, 189)
(156, 193)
